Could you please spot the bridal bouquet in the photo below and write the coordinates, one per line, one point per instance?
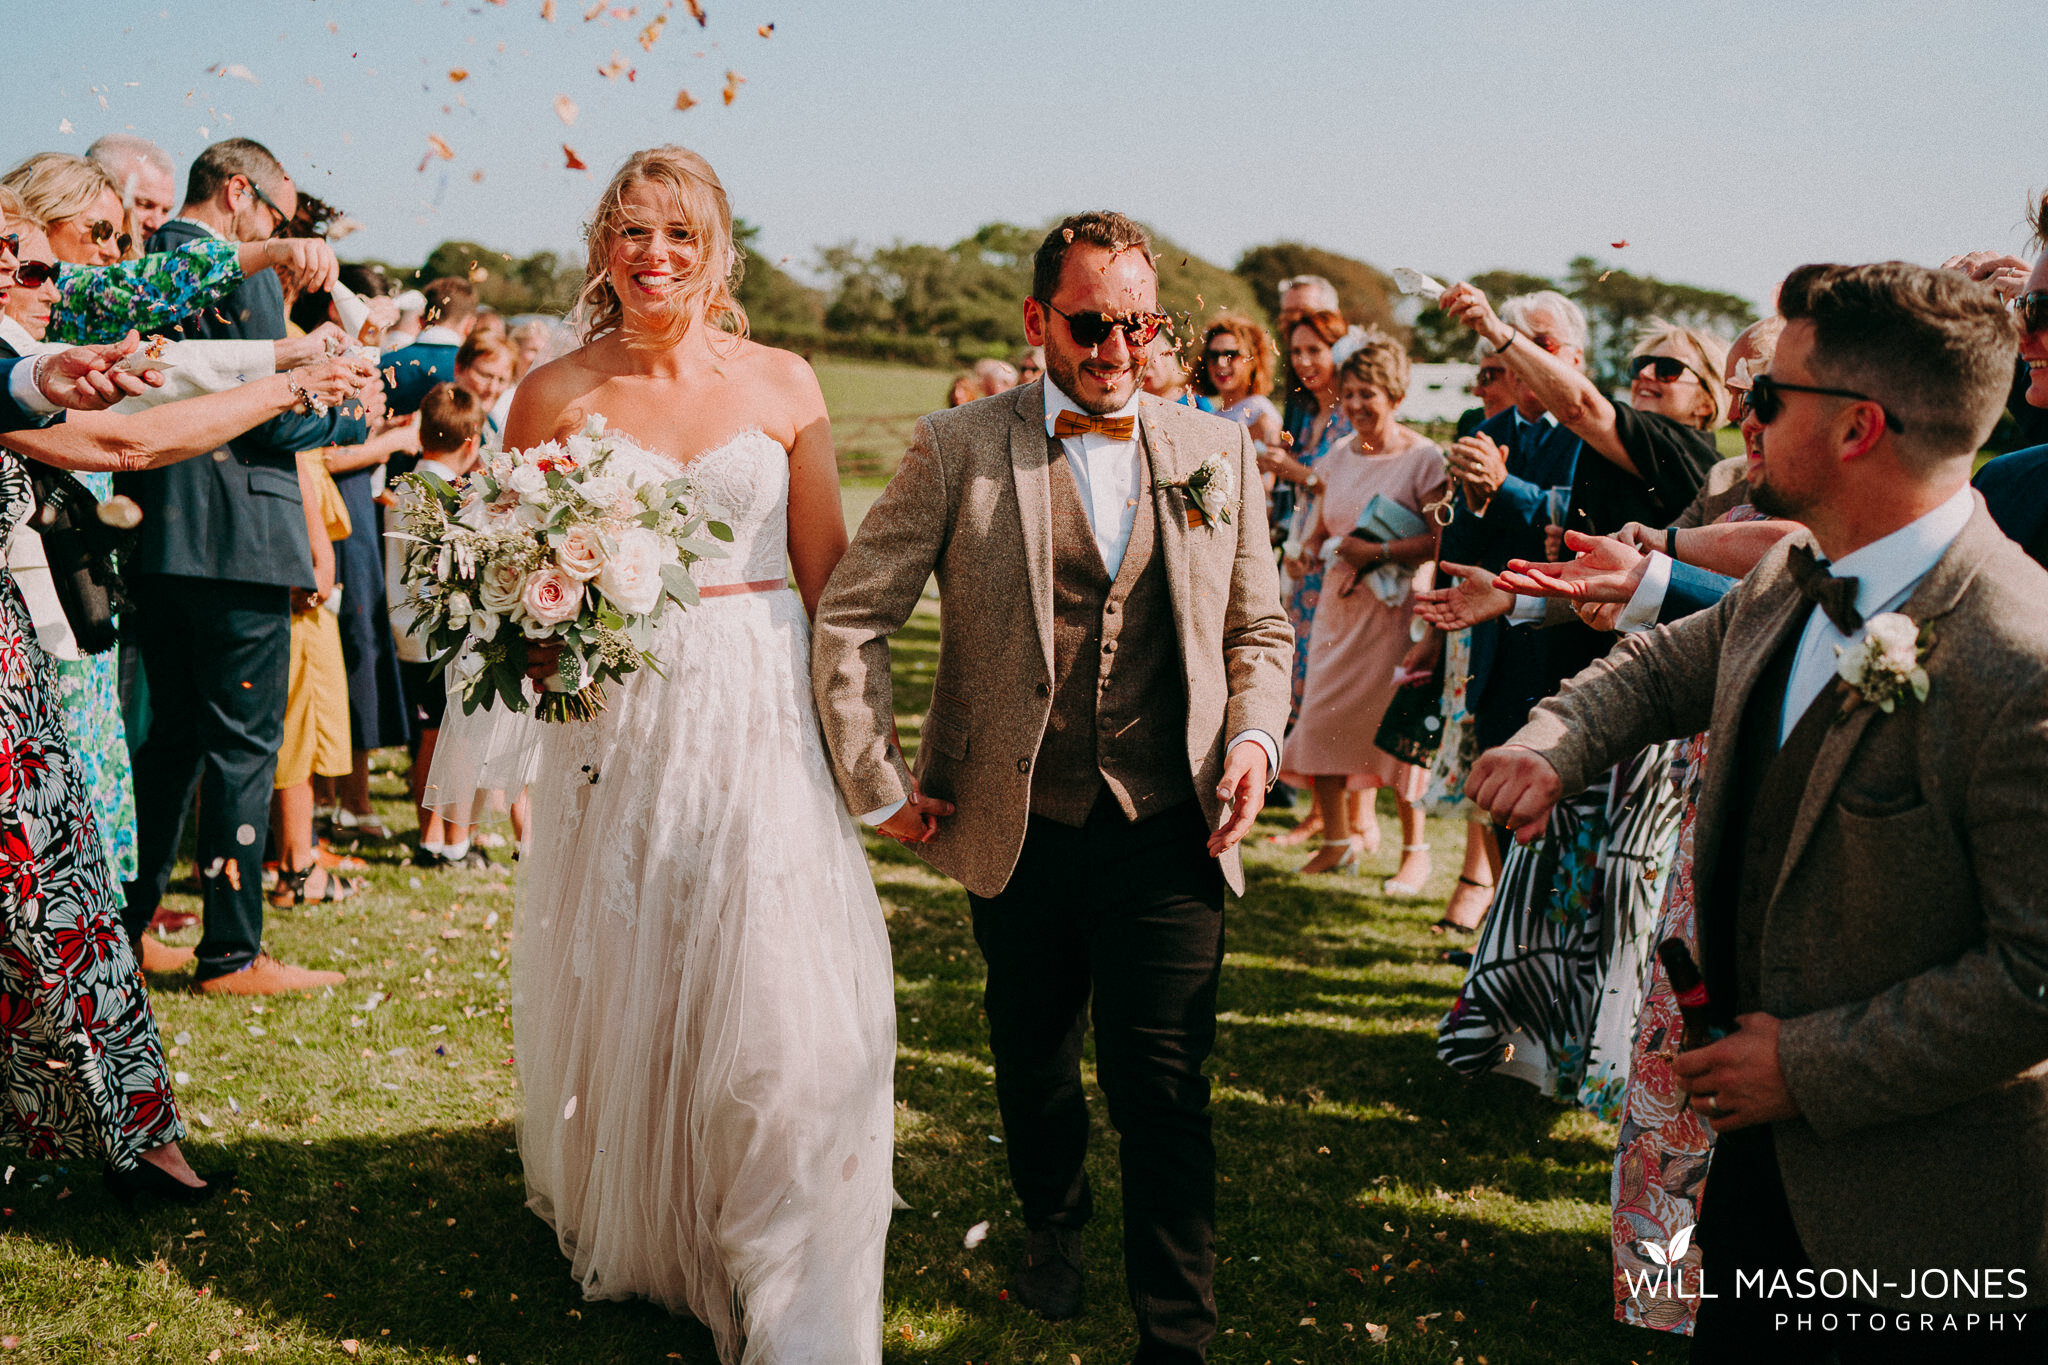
(582, 543)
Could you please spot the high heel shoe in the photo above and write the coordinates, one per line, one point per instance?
(143, 1179)
(1394, 887)
(1349, 860)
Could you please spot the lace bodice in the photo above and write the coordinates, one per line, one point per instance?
(747, 479)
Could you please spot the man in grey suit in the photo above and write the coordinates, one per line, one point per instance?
(223, 548)
(1112, 676)
(1871, 847)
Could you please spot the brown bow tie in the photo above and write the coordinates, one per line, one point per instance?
(1835, 596)
(1070, 423)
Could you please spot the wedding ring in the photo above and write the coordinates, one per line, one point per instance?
(1714, 1103)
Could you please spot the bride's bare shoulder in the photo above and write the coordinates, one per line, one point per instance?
(552, 399)
(785, 375)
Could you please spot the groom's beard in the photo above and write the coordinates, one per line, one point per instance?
(1065, 371)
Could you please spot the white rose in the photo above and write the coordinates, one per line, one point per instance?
(581, 449)
(581, 553)
(475, 514)
(497, 587)
(528, 482)
(484, 624)
(602, 490)
(594, 425)
(458, 604)
(468, 665)
(631, 578)
(1898, 640)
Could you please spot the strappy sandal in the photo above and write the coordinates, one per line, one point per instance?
(1447, 925)
(290, 891)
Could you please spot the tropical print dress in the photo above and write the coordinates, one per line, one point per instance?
(98, 304)
(82, 1072)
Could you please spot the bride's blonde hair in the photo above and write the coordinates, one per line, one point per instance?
(698, 199)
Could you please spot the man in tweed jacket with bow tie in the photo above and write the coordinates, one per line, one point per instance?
(1871, 863)
(1112, 681)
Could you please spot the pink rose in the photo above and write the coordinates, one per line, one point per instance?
(551, 597)
(581, 553)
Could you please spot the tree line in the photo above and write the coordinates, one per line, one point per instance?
(944, 305)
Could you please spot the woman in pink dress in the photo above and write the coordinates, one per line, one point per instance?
(1362, 623)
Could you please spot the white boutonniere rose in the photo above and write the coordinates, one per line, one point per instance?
(1888, 662)
(1211, 490)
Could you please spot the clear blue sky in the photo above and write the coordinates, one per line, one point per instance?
(1725, 143)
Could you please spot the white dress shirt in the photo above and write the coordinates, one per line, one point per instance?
(1107, 475)
(21, 386)
(1647, 602)
(1886, 572)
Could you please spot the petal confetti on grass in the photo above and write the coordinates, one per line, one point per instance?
(976, 1235)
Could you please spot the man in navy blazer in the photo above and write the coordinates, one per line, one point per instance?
(2015, 489)
(412, 370)
(222, 552)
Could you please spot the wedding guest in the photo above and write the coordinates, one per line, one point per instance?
(223, 543)
(483, 367)
(146, 177)
(412, 308)
(1489, 385)
(1234, 370)
(1872, 933)
(965, 389)
(450, 316)
(1030, 364)
(995, 376)
(451, 435)
(77, 204)
(1361, 628)
(1299, 296)
(1313, 365)
(1166, 378)
(530, 346)
(316, 716)
(81, 1063)
(2015, 486)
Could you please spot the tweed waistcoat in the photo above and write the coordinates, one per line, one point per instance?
(1119, 705)
(1767, 786)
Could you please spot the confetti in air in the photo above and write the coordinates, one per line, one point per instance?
(575, 162)
(1620, 244)
(733, 81)
(436, 148)
(651, 35)
(235, 69)
(696, 11)
(565, 109)
(766, 30)
(547, 11)
(684, 100)
(458, 75)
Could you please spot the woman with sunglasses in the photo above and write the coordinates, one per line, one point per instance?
(102, 297)
(1234, 371)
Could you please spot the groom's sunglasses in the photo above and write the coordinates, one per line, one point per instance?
(1092, 329)
(1767, 399)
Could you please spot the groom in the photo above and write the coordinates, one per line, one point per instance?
(1870, 857)
(1112, 676)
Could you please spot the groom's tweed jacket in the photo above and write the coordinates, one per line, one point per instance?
(1904, 941)
(972, 503)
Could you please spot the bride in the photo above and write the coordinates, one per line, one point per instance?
(702, 993)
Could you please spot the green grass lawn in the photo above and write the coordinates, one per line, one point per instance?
(873, 407)
(378, 1213)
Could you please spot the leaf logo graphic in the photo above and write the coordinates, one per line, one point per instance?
(1675, 1252)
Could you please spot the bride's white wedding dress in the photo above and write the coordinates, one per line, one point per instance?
(703, 1001)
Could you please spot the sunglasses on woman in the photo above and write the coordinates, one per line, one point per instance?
(33, 274)
(1091, 329)
(100, 230)
(2032, 310)
(1767, 399)
(1219, 357)
(1666, 369)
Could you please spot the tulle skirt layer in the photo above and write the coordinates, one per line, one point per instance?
(703, 999)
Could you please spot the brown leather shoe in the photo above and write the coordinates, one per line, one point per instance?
(161, 957)
(267, 976)
(1048, 1278)
(168, 921)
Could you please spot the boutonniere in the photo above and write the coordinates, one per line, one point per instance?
(1210, 491)
(1887, 663)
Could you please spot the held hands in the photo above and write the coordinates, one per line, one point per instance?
(1467, 602)
(917, 819)
(1517, 787)
(1480, 463)
(1736, 1082)
(1606, 570)
(1242, 790)
(84, 378)
(331, 381)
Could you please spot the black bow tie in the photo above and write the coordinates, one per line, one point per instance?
(1835, 596)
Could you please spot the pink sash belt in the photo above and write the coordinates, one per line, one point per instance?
(732, 589)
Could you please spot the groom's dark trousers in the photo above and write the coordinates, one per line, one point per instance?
(1124, 921)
